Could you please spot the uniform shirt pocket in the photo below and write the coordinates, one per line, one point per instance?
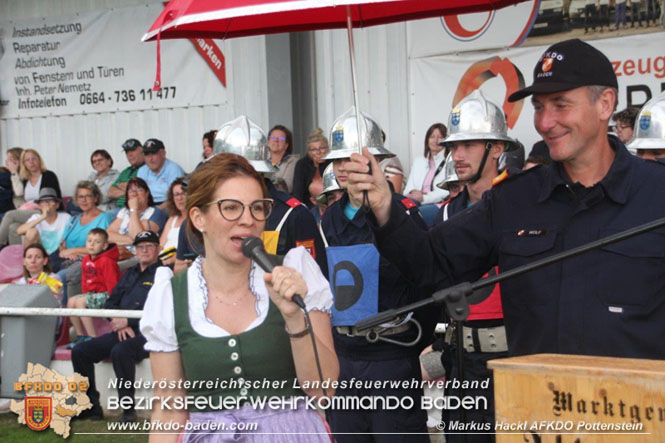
(631, 271)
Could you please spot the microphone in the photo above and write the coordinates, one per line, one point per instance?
(252, 247)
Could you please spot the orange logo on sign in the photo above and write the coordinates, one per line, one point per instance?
(481, 71)
(547, 64)
(38, 412)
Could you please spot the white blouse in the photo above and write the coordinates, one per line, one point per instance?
(158, 323)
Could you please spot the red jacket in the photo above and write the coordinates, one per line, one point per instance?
(100, 274)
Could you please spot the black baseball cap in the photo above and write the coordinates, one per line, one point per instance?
(152, 145)
(146, 236)
(131, 144)
(568, 65)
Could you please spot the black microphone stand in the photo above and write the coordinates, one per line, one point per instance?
(455, 297)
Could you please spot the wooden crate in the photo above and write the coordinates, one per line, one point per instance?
(574, 398)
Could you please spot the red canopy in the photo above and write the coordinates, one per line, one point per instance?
(240, 18)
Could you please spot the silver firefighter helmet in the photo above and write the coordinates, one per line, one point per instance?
(450, 175)
(477, 118)
(344, 136)
(244, 137)
(650, 125)
(329, 184)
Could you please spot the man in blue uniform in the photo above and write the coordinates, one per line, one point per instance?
(364, 283)
(125, 344)
(607, 302)
(477, 140)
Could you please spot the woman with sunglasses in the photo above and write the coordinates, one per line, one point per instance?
(226, 303)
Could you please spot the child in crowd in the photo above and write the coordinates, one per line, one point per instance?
(99, 275)
(47, 227)
(37, 270)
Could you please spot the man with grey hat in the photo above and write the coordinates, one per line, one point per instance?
(134, 152)
(48, 226)
(606, 302)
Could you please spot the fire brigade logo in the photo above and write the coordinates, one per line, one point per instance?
(454, 117)
(338, 135)
(645, 120)
(547, 64)
(38, 412)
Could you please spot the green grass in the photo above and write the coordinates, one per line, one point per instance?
(11, 431)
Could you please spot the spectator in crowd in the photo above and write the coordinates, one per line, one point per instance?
(177, 198)
(603, 14)
(620, 14)
(6, 191)
(104, 176)
(208, 144)
(134, 152)
(280, 144)
(99, 275)
(13, 165)
(590, 15)
(37, 270)
(624, 123)
(158, 171)
(246, 315)
(49, 225)
(307, 182)
(34, 176)
(66, 261)
(125, 344)
(426, 171)
(635, 12)
(139, 214)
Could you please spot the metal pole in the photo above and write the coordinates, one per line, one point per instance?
(66, 312)
(352, 54)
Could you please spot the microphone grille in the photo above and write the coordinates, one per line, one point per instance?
(250, 244)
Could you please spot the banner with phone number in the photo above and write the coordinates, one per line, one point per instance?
(96, 62)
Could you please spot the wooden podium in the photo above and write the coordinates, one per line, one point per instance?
(572, 398)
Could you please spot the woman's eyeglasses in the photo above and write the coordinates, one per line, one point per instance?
(232, 209)
(275, 138)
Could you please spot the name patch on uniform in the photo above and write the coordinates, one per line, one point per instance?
(531, 232)
(309, 245)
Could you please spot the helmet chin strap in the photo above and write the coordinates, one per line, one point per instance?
(479, 173)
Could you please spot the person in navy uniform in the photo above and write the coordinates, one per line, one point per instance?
(606, 302)
(478, 143)
(290, 224)
(364, 283)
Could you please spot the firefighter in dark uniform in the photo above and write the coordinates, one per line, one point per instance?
(364, 283)
(605, 302)
(290, 224)
(478, 142)
(649, 140)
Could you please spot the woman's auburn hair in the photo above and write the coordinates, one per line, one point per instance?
(205, 180)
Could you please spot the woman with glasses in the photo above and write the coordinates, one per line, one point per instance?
(280, 144)
(104, 176)
(226, 322)
(67, 259)
(34, 177)
(176, 198)
(307, 182)
(139, 214)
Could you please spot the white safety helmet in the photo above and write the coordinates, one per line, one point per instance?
(650, 125)
(244, 137)
(344, 136)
